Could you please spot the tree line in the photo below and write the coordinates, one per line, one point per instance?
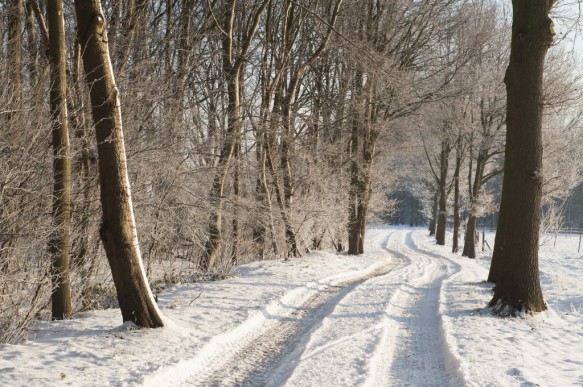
(225, 131)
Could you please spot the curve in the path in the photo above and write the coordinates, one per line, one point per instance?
(417, 353)
(270, 356)
(341, 351)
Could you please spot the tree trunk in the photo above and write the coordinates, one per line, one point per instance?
(286, 150)
(354, 235)
(518, 285)
(289, 235)
(236, 195)
(442, 215)
(118, 229)
(432, 222)
(456, 196)
(32, 46)
(214, 243)
(60, 243)
(79, 122)
(470, 239)
(259, 228)
(15, 47)
(232, 66)
(474, 192)
(361, 214)
(497, 264)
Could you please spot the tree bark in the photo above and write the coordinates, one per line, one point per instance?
(32, 46)
(118, 228)
(60, 243)
(433, 221)
(518, 284)
(456, 195)
(288, 193)
(474, 192)
(470, 239)
(15, 47)
(442, 214)
(236, 195)
(354, 235)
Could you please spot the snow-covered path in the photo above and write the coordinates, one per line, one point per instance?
(380, 329)
(264, 357)
(405, 313)
(419, 358)
(385, 330)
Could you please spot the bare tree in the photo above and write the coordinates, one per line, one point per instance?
(515, 263)
(60, 243)
(233, 61)
(118, 228)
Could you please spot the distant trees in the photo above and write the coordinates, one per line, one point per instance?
(464, 119)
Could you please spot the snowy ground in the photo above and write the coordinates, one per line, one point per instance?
(407, 313)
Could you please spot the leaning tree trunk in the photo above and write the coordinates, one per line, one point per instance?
(60, 242)
(118, 229)
(518, 284)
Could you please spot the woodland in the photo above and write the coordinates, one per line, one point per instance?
(149, 142)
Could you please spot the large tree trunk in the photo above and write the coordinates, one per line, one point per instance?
(442, 214)
(497, 264)
(518, 285)
(60, 243)
(118, 229)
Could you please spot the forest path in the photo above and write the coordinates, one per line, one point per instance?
(263, 359)
(380, 329)
(418, 351)
(387, 331)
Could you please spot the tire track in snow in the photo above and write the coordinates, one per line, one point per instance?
(415, 348)
(350, 339)
(270, 356)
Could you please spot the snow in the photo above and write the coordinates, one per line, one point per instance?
(407, 312)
